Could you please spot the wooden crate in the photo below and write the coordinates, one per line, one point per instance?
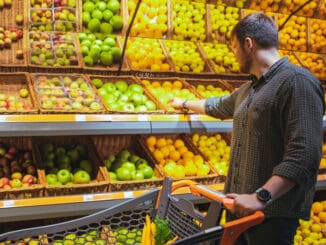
(99, 179)
(45, 94)
(161, 81)
(211, 178)
(10, 84)
(111, 145)
(129, 80)
(35, 190)
(205, 82)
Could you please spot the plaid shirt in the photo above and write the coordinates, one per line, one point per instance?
(277, 130)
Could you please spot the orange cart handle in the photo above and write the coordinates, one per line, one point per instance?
(201, 190)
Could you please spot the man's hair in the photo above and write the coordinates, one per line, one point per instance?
(259, 27)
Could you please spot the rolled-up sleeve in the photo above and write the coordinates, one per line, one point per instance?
(301, 111)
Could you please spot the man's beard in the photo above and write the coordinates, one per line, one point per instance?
(245, 67)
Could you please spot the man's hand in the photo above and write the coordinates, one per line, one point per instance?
(245, 204)
(177, 103)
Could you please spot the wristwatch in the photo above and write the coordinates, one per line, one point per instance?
(264, 195)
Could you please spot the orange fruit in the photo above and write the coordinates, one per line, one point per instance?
(151, 141)
(188, 155)
(324, 205)
(174, 155)
(161, 142)
(158, 155)
(322, 217)
(178, 143)
(317, 207)
(165, 150)
(182, 150)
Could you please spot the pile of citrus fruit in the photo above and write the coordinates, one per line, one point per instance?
(293, 36)
(175, 158)
(146, 54)
(313, 231)
(314, 62)
(318, 35)
(185, 56)
(151, 19)
(221, 57)
(188, 20)
(215, 148)
(266, 6)
(290, 5)
(290, 56)
(166, 90)
(223, 19)
(211, 90)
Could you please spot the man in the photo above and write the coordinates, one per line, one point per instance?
(277, 134)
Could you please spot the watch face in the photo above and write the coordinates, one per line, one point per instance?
(264, 195)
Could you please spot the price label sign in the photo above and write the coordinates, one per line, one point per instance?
(142, 118)
(88, 197)
(194, 117)
(8, 203)
(128, 194)
(80, 118)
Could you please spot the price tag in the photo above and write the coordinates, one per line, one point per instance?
(88, 197)
(194, 117)
(128, 194)
(142, 118)
(80, 118)
(8, 203)
(108, 118)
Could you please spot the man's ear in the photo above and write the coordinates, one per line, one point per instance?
(248, 43)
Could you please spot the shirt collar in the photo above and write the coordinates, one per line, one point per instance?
(265, 77)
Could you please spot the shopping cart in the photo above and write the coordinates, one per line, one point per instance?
(123, 223)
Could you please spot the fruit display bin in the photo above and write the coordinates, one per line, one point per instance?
(213, 83)
(139, 58)
(11, 100)
(50, 16)
(172, 87)
(9, 13)
(52, 42)
(207, 69)
(316, 36)
(211, 178)
(98, 69)
(129, 80)
(226, 137)
(66, 93)
(111, 145)
(20, 145)
(152, 21)
(314, 62)
(186, 20)
(13, 56)
(221, 20)
(99, 178)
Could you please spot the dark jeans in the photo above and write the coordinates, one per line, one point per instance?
(273, 231)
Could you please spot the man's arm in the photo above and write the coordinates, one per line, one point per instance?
(197, 106)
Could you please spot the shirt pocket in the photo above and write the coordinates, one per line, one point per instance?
(260, 116)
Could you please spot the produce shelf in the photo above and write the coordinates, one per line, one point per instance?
(73, 205)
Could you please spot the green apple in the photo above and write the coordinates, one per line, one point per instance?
(86, 165)
(129, 165)
(15, 183)
(141, 162)
(73, 154)
(147, 171)
(82, 150)
(123, 154)
(121, 85)
(64, 176)
(51, 179)
(123, 174)
(60, 151)
(133, 158)
(113, 176)
(81, 177)
(137, 175)
(151, 106)
(97, 82)
(136, 88)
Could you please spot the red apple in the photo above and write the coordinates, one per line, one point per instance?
(12, 150)
(28, 179)
(4, 181)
